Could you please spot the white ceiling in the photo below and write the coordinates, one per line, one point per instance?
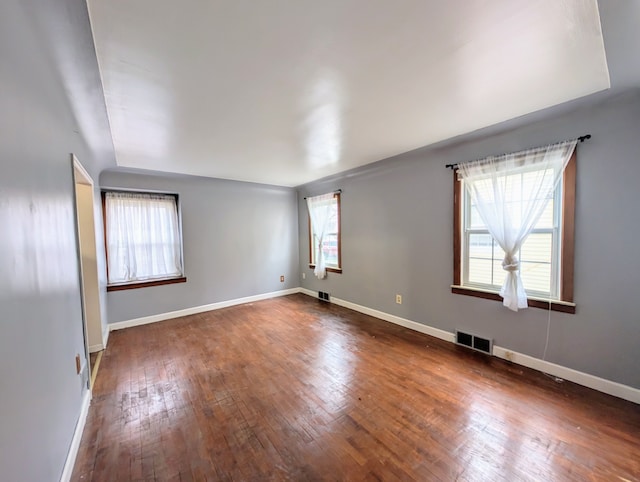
(288, 91)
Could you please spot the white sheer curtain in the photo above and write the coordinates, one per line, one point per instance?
(510, 207)
(320, 209)
(143, 237)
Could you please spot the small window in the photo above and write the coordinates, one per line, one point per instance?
(143, 239)
(545, 258)
(324, 231)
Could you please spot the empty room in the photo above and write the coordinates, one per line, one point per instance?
(330, 240)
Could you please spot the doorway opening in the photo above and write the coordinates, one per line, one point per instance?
(89, 284)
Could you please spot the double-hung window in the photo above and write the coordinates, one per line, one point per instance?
(324, 233)
(143, 239)
(544, 261)
(538, 256)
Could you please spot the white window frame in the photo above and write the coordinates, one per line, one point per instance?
(555, 231)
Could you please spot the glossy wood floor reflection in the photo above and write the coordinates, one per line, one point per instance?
(296, 389)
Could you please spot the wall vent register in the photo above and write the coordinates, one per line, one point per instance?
(475, 342)
(322, 295)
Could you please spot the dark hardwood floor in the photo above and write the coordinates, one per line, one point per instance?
(296, 389)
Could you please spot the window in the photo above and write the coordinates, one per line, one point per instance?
(143, 240)
(324, 233)
(545, 257)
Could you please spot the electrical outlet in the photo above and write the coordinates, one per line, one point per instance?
(508, 355)
(399, 299)
(304, 275)
(282, 279)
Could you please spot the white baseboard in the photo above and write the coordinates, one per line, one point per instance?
(75, 441)
(95, 348)
(103, 345)
(606, 386)
(198, 309)
(105, 336)
(602, 385)
(413, 325)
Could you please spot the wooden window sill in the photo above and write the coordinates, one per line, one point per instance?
(329, 270)
(556, 305)
(146, 284)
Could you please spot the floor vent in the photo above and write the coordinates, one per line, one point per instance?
(472, 341)
(322, 295)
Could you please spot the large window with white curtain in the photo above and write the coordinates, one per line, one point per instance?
(514, 228)
(143, 238)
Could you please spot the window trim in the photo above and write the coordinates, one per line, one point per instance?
(148, 283)
(145, 284)
(565, 302)
(328, 268)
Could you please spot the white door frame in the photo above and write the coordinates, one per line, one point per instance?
(81, 176)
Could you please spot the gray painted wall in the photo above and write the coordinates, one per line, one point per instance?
(50, 106)
(397, 237)
(238, 238)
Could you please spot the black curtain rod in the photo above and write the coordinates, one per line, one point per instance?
(581, 139)
(334, 192)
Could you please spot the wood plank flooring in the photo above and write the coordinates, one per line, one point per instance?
(296, 389)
